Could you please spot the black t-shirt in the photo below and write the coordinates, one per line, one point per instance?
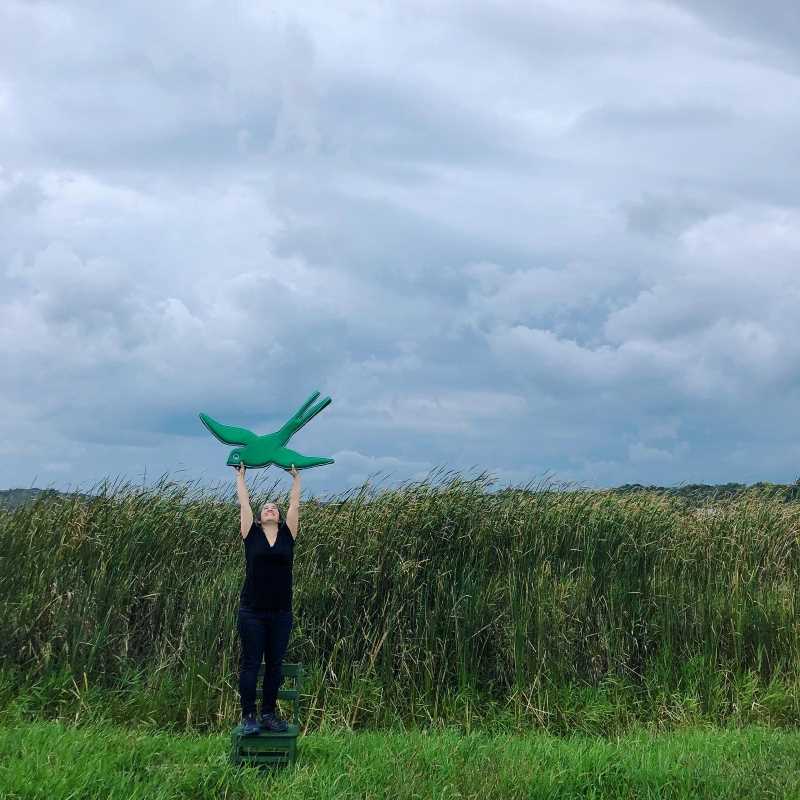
(268, 579)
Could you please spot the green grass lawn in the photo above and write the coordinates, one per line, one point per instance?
(59, 762)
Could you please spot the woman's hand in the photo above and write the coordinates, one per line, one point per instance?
(294, 473)
(240, 469)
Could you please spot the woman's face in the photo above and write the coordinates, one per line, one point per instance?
(269, 513)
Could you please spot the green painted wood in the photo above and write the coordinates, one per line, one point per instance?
(265, 737)
(293, 671)
(261, 451)
(268, 747)
(272, 748)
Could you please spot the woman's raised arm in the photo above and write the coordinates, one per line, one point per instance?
(245, 512)
(293, 514)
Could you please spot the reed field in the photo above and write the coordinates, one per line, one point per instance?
(440, 603)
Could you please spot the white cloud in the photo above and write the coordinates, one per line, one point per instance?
(549, 238)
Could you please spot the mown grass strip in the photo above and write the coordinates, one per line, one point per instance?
(60, 762)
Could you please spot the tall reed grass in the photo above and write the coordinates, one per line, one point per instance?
(566, 608)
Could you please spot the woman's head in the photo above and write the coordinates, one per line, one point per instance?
(269, 512)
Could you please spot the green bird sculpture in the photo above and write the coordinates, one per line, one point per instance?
(259, 451)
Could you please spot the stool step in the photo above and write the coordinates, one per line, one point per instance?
(291, 732)
(274, 748)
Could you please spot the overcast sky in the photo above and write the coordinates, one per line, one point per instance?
(530, 238)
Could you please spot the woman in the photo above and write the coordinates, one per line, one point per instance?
(265, 602)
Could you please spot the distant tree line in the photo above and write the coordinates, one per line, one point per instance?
(14, 498)
(701, 493)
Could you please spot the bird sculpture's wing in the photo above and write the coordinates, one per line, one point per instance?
(306, 414)
(302, 410)
(285, 458)
(228, 433)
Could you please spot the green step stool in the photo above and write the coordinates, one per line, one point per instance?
(272, 748)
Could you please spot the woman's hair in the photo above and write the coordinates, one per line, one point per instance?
(257, 517)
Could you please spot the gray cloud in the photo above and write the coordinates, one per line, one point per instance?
(524, 239)
(666, 214)
(775, 23)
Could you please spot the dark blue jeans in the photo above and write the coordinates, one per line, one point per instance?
(264, 636)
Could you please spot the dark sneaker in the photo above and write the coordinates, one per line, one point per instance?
(250, 726)
(270, 722)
